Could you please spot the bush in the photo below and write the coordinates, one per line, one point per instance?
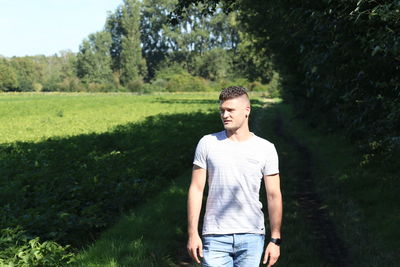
(233, 82)
(186, 83)
(69, 84)
(135, 86)
(159, 85)
(100, 87)
(17, 249)
(176, 79)
(257, 87)
(213, 65)
(168, 69)
(37, 87)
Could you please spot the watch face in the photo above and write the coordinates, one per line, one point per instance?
(276, 241)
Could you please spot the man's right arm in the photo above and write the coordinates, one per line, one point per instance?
(195, 197)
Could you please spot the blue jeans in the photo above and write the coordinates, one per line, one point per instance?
(239, 250)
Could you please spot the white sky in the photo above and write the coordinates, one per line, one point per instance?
(45, 27)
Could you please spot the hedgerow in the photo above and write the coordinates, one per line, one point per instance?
(339, 61)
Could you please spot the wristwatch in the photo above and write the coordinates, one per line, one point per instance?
(276, 241)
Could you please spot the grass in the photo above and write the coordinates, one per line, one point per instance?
(155, 233)
(298, 248)
(67, 188)
(360, 191)
(151, 235)
(362, 195)
(35, 117)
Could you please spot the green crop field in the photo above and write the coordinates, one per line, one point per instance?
(71, 164)
(33, 117)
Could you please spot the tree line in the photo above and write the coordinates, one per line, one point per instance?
(140, 47)
(339, 61)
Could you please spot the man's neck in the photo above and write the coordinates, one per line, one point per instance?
(239, 135)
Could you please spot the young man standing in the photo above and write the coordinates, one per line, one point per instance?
(235, 160)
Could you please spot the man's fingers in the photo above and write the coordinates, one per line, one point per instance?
(193, 253)
(272, 260)
(195, 248)
(266, 257)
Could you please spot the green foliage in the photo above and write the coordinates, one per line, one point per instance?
(27, 71)
(17, 249)
(135, 86)
(176, 79)
(124, 28)
(338, 60)
(94, 60)
(58, 72)
(339, 64)
(188, 43)
(213, 65)
(40, 73)
(8, 76)
(153, 27)
(132, 64)
(359, 189)
(186, 83)
(137, 40)
(70, 84)
(272, 89)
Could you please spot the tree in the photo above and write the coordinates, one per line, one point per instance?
(131, 53)
(156, 44)
(94, 59)
(126, 52)
(8, 76)
(28, 72)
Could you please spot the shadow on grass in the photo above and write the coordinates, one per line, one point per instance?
(70, 189)
(154, 234)
(354, 196)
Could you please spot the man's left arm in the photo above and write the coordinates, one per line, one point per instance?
(274, 197)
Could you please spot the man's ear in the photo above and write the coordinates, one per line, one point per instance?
(248, 109)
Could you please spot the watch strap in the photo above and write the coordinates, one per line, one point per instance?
(276, 241)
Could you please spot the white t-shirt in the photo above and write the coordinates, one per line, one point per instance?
(235, 170)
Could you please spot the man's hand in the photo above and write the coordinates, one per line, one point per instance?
(195, 247)
(271, 255)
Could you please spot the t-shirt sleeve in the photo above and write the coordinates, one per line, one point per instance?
(272, 163)
(200, 156)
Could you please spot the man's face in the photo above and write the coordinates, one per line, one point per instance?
(234, 112)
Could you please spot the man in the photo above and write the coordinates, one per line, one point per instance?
(235, 160)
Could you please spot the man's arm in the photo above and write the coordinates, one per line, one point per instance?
(195, 197)
(274, 197)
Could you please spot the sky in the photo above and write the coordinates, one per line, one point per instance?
(46, 27)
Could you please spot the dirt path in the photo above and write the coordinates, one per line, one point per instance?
(327, 241)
